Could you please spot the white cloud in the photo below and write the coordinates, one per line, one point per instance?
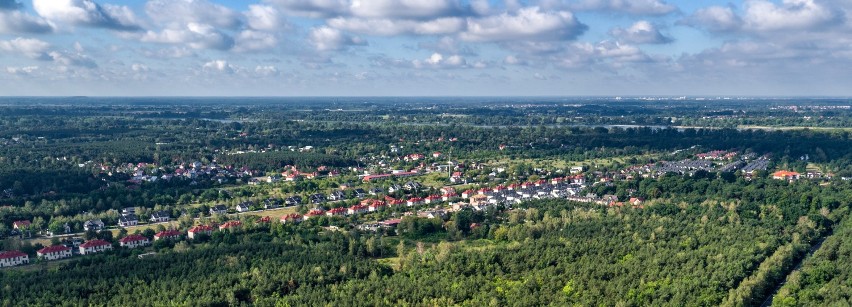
(439, 61)
(392, 9)
(529, 23)
(416, 9)
(88, 13)
(26, 70)
(266, 71)
(181, 12)
(14, 21)
(194, 35)
(264, 17)
(390, 27)
(168, 53)
(714, 18)
(448, 44)
(313, 8)
(29, 47)
(139, 67)
(249, 40)
(641, 32)
(219, 66)
(330, 39)
(761, 15)
(72, 59)
(633, 7)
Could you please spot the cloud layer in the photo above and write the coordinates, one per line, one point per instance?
(356, 44)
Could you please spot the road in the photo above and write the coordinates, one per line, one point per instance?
(814, 248)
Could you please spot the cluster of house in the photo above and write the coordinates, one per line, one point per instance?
(559, 187)
(792, 176)
(77, 247)
(709, 162)
(717, 155)
(150, 172)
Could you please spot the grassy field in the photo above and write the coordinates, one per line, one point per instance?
(565, 164)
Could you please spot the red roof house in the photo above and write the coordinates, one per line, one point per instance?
(134, 241)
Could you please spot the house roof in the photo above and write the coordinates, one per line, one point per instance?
(337, 210)
(21, 223)
(53, 249)
(94, 243)
(230, 224)
(291, 216)
(784, 174)
(11, 254)
(200, 228)
(167, 233)
(316, 212)
(133, 238)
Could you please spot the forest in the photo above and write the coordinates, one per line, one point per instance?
(699, 238)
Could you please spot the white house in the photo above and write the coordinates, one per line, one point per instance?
(54, 252)
(95, 246)
(134, 241)
(13, 258)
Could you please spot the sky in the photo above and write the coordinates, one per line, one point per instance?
(425, 48)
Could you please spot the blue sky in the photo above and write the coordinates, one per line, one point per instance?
(425, 47)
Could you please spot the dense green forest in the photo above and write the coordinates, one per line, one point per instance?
(825, 278)
(699, 238)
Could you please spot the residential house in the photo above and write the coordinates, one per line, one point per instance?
(394, 188)
(13, 258)
(54, 252)
(478, 200)
(160, 217)
(360, 193)
(272, 203)
(230, 225)
(376, 206)
(134, 241)
(317, 198)
(336, 211)
(293, 200)
(431, 199)
(128, 211)
(313, 213)
(128, 220)
(636, 201)
(93, 225)
(412, 186)
(292, 218)
(449, 196)
(414, 201)
(195, 231)
(218, 209)
(95, 246)
(242, 207)
(431, 214)
(376, 191)
(167, 235)
(785, 175)
(468, 193)
(356, 209)
(337, 195)
(456, 177)
(21, 225)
